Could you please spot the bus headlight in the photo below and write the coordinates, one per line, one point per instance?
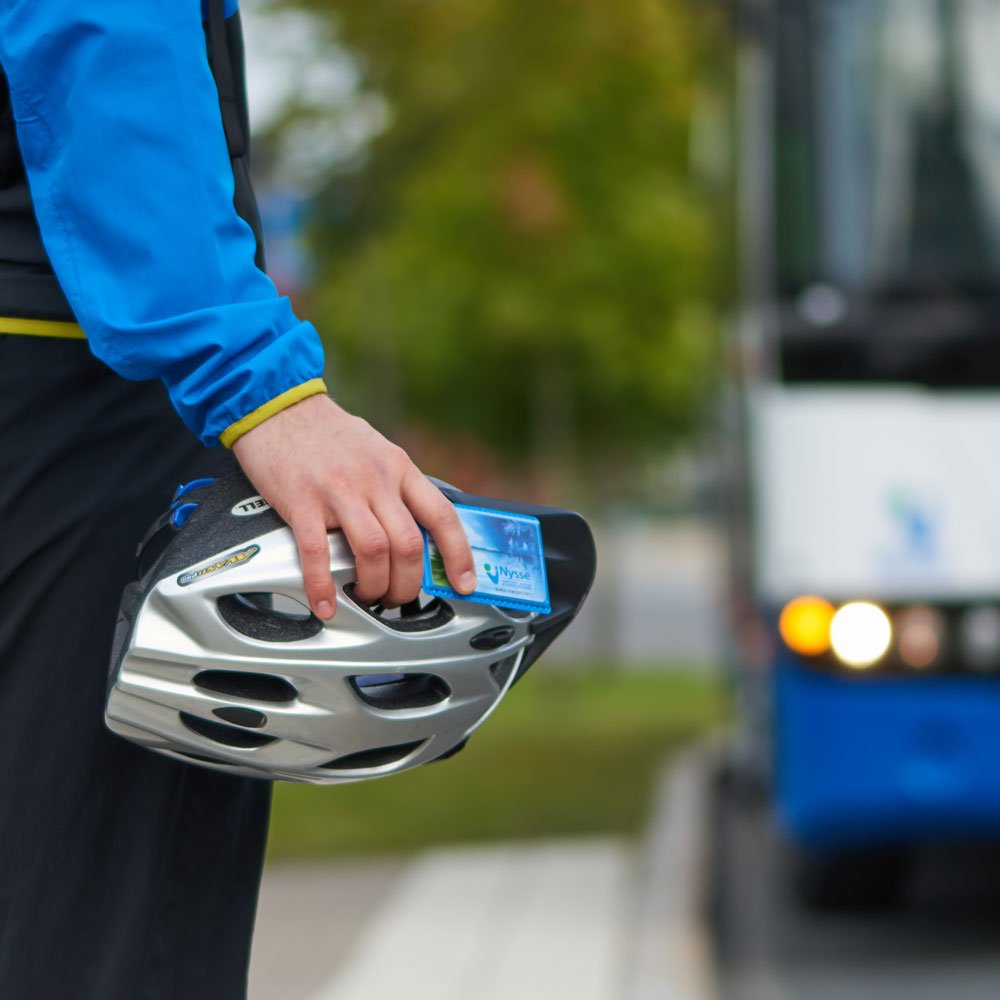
(805, 625)
(979, 635)
(920, 636)
(860, 634)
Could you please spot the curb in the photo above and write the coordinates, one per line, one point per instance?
(672, 957)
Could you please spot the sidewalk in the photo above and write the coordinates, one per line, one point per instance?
(596, 919)
(310, 919)
(536, 922)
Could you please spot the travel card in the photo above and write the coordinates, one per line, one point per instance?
(510, 561)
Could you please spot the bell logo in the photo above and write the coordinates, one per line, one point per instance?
(250, 506)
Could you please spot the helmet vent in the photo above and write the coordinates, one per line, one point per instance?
(377, 757)
(227, 735)
(240, 716)
(392, 692)
(492, 638)
(517, 613)
(501, 670)
(422, 615)
(238, 684)
(269, 617)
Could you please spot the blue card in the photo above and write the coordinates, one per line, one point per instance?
(510, 561)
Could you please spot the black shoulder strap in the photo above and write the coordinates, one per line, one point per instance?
(225, 80)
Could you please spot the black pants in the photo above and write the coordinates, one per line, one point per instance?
(123, 875)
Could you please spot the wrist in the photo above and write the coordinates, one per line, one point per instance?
(279, 403)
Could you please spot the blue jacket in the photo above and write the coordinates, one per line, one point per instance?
(119, 126)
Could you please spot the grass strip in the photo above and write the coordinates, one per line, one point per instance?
(567, 753)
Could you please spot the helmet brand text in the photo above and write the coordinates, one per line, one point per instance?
(228, 562)
(249, 507)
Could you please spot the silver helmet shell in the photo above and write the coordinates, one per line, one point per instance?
(218, 661)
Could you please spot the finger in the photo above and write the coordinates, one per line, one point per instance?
(406, 553)
(314, 554)
(370, 545)
(434, 511)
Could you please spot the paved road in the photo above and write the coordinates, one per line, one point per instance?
(942, 944)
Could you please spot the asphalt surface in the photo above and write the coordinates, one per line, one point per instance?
(941, 942)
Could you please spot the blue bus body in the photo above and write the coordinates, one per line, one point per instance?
(869, 761)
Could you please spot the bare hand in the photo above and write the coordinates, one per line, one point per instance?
(321, 468)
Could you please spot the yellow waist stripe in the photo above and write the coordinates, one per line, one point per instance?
(41, 328)
(73, 331)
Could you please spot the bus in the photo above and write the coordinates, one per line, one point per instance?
(865, 422)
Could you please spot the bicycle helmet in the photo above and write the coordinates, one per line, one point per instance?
(217, 659)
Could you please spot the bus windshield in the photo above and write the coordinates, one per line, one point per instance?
(887, 158)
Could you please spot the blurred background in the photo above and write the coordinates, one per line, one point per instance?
(724, 275)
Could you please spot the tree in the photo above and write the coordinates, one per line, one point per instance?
(521, 254)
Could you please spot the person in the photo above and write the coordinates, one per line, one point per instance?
(132, 291)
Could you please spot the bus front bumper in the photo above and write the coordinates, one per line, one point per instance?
(862, 761)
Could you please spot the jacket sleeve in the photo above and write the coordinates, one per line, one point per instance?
(119, 126)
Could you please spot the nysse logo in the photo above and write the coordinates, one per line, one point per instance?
(217, 567)
(496, 572)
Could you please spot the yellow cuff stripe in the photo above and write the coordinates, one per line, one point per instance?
(235, 431)
(41, 328)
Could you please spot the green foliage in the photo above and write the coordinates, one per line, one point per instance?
(565, 754)
(523, 255)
